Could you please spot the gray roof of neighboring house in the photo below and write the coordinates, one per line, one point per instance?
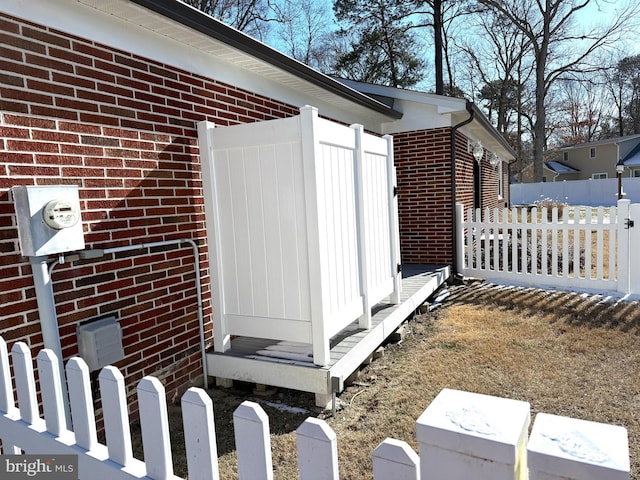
(633, 158)
(560, 168)
(601, 142)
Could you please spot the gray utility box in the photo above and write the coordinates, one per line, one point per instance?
(100, 342)
(49, 220)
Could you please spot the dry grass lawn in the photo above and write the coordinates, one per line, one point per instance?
(566, 354)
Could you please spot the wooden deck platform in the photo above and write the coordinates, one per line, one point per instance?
(290, 364)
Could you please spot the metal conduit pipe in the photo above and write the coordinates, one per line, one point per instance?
(49, 321)
(98, 253)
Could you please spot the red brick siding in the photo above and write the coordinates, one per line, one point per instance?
(123, 129)
(424, 195)
(464, 172)
(423, 161)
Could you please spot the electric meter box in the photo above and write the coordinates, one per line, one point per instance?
(49, 220)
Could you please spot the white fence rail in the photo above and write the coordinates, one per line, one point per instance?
(460, 435)
(570, 247)
(595, 193)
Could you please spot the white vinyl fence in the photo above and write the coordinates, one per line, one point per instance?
(461, 435)
(568, 247)
(302, 224)
(595, 193)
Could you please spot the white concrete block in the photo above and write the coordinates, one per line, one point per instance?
(567, 448)
(469, 436)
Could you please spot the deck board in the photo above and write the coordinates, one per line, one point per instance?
(290, 364)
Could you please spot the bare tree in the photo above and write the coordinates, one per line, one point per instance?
(624, 86)
(581, 109)
(442, 17)
(249, 16)
(306, 30)
(500, 58)
(558, 48)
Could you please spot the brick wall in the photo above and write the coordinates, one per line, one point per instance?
(424, 200)
(123, 129)
(423, 161)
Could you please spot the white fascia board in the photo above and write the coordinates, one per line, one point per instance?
(429, 113)
(86, 22)
(420, 110)
(418, 116)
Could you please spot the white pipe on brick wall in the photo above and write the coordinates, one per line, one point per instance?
(49, 320)
(97, 253)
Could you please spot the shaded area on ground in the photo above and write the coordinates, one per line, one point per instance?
(566, 353)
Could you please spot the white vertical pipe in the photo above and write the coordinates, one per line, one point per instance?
(49, 320)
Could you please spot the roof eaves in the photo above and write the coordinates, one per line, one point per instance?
(486, 124)
(563, 168)
(203, 23)
(614, 140)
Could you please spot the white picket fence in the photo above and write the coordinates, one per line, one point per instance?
(572, 247)
(461, 435)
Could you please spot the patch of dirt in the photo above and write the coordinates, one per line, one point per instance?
(565, 353)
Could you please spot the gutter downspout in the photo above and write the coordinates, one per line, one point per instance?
(454, 236)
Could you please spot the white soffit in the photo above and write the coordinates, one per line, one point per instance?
(161, 39)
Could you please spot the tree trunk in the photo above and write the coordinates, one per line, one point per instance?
(539, 125)
(520, 161)
(539, 131)
(437, 36)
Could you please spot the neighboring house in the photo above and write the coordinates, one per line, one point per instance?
(594, 160)
(107, 95)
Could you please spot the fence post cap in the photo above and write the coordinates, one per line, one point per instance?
(196, 396)
(20, 348)
(564, 446)
(483, 426)
(150, 385)
(46, 355)
(111, 373)
(78, 364)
